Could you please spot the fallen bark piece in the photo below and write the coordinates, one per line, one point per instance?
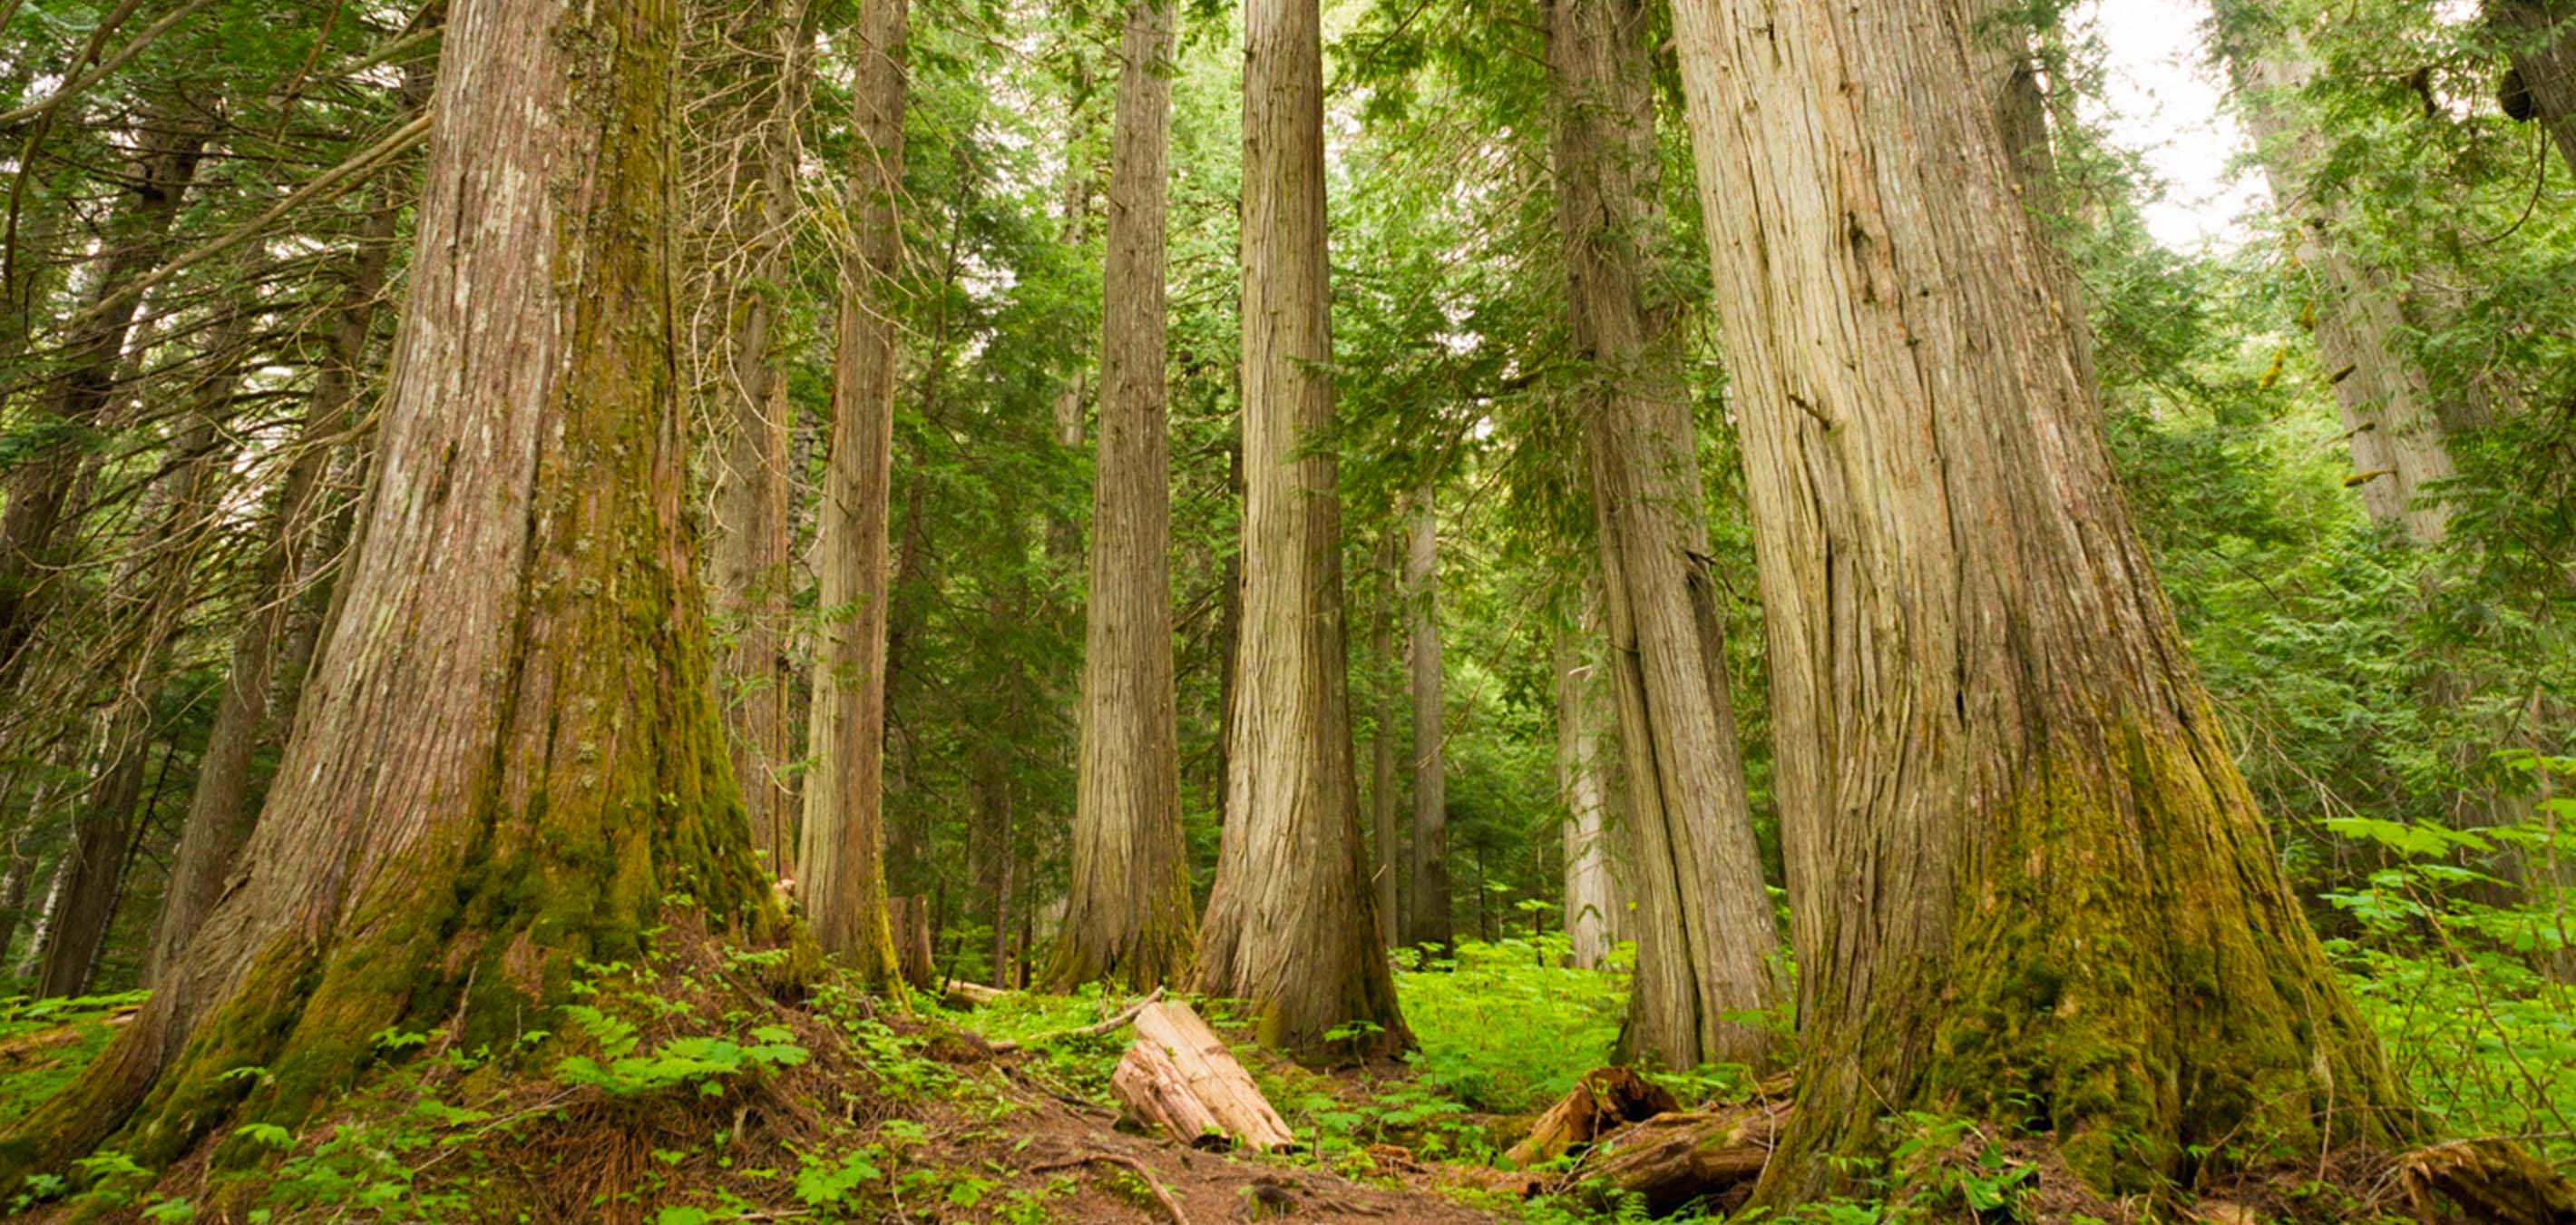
(1605, 1100)
(2492, 1180)
(1674, 1159)
(1179, 1075)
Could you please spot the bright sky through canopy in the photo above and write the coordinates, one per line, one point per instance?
(2163, 99)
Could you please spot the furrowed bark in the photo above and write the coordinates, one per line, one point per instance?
(1427, 924)
(842, 848)
(1128, 911)
(1291, 923)
(1386, 860)
(510, 761)
(2074, 921)
(1591, 903)
(2541, 45)
(1706, 939)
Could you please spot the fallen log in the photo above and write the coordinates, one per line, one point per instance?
(1093, 1030)
(2491, 1180)
(1178, 1075)
(1673, 1160)
(1605, 1100)
(971, 995)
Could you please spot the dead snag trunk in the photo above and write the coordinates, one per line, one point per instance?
(2076, 922)
(1128, 911)
(1706, 938)
(1291, 923)
(520, 632)
(37, 492)
(1189, 1060)
(740, 159)
(1427, 925)
(842, 848)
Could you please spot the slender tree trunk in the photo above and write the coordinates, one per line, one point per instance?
(1291, 923)
(1128, 911)
(36, 494)
(2074, 919)
(2399, 440)
(13, 891)
(520, 634)
(57, 888)
(767, 57)
(92, 876)
(1387, 861)
(2541, 40)
(1427, 924)
(219, 817)
(1707, 943)
(1590, 903)
(842, 854)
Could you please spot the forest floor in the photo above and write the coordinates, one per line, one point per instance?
(682, 1092)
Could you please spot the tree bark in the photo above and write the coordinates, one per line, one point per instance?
(2001, 46)
(1386, 857)
(765, 59)
(1591, 905)
(2032, 887)
(511, 756)
(842, 849)
(2394, 426)
(218, 820)
(1706, 938)
(1128, 911)
(2541, 43)
(1428, 924)
(1291, 923)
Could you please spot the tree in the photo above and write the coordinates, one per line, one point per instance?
(1706, 938)
(1427, 924)
(2541, 85)
(742, 164)
(2075, 921)
(842, 845)
(1291, 923)
(511, 761)
(1128, 910)
(1591, 898)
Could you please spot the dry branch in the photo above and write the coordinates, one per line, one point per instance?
(1142, 1173)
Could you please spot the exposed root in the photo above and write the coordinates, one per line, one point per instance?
(1143, 1175)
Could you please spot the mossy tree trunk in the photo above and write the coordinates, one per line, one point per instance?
(2031, 887)
(1427, 924)
(1707, 943)
(1291, 923)
(842, 845)
(510, 760)
(1128, 911)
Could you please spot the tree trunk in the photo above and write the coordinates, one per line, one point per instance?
(2399, 440)
(520, 635)
(1128, 912)
(37, 492)
(1427, 925)
(2541, 39)
(1291, 923)
(2073, 919)
(218, 819)
(2001, 46)
(1386, 860)
(842, 849)
(1590, 904)
(92, 876)
(1706, 938)
(765, 60)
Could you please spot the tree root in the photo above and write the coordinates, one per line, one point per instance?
(1142, 1172)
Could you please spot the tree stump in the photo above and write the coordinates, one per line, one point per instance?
(1178, 1075)
(1605, 1100)
(1672, 1160)
(910, 917)
(2492, 1180)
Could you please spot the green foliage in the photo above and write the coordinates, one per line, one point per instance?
(698, 1061)
(1504, 1026)
(60, 1036)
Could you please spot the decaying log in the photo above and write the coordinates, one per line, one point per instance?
(971, 995)
(1605, 1100)
(1673, 1159)
(1179, 1076)
(2491, 1180)
(910, 917)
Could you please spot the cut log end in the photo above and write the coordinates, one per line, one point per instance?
(1179, 1076)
